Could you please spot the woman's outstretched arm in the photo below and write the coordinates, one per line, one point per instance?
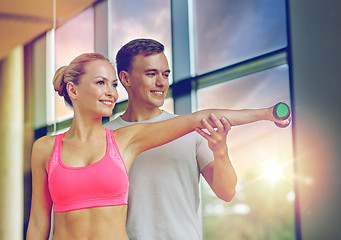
(141, 137)
(245, 116)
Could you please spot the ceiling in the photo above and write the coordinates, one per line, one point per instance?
(21, 21)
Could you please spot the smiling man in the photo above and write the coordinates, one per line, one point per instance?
(164, 181)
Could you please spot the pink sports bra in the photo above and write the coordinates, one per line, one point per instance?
(103, 183)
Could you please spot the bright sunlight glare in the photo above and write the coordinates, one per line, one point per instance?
(272, 171)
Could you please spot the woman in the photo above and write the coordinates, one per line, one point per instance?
(84, 172)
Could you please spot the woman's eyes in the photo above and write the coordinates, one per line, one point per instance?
(114, 85)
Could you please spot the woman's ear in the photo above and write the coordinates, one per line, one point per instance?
(124, 77)
(71, 89)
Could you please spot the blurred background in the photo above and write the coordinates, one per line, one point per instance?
(223, 54)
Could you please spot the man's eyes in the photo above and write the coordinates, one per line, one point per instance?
(152, 74)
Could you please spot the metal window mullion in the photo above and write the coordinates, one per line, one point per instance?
(101, 28)
(50, 69)
(181, 56)
(242, 69)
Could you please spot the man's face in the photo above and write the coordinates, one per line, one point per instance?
(149, 80)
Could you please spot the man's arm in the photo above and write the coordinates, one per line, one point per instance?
(219, 174)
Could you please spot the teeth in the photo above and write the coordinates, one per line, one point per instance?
(158, 92)
(109, 103)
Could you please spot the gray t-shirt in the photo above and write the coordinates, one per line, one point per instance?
(164, 187)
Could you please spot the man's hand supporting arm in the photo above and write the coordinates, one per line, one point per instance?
(219, 174)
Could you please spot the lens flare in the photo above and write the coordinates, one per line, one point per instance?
(273, 171)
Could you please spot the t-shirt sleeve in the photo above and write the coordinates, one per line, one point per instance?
(203, 152)
(113, 124)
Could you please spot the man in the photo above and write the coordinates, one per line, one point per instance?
(164, 182)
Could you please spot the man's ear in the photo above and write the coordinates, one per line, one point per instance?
(124, 77)
(71, 89)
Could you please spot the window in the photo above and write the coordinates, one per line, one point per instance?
(262, 155)
(250, 35)
(139, 19)
(72, 39)
(229, 31)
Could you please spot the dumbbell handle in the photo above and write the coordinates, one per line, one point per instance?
(281, 111)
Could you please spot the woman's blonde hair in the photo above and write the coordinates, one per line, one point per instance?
(72, 73)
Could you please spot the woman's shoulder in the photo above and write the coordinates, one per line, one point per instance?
(45, 142)
(42, 148)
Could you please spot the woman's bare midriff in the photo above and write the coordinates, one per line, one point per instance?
(92, 223)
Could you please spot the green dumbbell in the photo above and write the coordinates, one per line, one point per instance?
(281, 111)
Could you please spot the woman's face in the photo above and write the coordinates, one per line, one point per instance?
(97, 89)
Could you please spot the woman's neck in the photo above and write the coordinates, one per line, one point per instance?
(85, 128)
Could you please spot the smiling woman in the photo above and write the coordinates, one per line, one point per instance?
(83, 172)
(96, 83)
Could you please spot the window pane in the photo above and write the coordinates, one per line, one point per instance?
(72, 39)
(263, 207)
(229, 31)
(139, 19)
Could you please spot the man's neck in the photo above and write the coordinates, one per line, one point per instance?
(140, 114)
